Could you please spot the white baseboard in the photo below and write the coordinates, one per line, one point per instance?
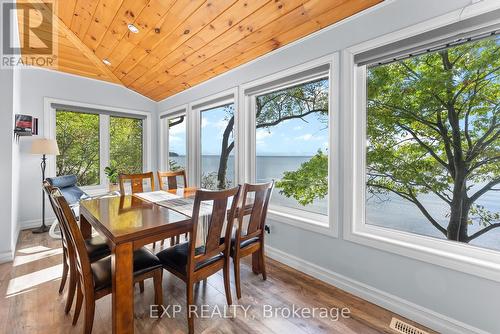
(417, 313)
(6, 257)
(27, 224)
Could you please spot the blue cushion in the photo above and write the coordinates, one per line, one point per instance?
(73, 194)
(68, 188)
(62, 181)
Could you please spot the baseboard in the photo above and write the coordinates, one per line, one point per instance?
(6, 257)
(27, 224)
(417, 313)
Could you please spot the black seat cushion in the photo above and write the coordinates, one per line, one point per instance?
(243, 244)
(176, 257)
(96, 248)
(144, 261)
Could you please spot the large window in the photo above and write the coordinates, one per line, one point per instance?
(433, 144)
(176, 130)
(292, 145)
(89, 142)
(217, 147)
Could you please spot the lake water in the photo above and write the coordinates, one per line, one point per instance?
(395, 212)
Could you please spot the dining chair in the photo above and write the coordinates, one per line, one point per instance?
(136, 182)
(171, 184)
(171, 177)
(95, 247)
(137, 185)
(94, 279)
(249, 240)
(193, 264)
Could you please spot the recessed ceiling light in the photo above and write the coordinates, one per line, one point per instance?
(133, 28)
(106, 61)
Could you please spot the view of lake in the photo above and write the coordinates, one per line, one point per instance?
(395, 213)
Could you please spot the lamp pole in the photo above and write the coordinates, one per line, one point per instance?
(43, 228)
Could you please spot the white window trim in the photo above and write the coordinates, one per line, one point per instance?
(49, 131)
(194, 130)
(469, 259)
(163, 145)
(322, 224)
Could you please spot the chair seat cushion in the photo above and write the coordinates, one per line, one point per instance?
(176, 257)
(96, 248)
(243, 244)
(144, 261)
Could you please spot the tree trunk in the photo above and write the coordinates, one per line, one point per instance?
(457, 226)
(459, 210)
(226, 149)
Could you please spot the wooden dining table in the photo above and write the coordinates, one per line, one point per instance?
(128, 223)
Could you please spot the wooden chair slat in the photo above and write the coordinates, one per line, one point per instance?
(136, 182)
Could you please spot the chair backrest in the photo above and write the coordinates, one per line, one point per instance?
(216, 224)
(261, 194)
(136, 182)
(67, 185)
(51, 191)
(171, 177)
(76, 240)
(48, 188)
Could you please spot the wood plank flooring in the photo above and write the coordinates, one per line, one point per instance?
(29, 302)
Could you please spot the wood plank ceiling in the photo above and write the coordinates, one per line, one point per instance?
(181, 43)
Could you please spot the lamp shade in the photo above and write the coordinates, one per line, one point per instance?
(45, 146)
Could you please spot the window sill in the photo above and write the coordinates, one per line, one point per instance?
(313, 222)
(465, 258)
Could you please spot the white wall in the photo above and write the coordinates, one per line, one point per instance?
(35, 85)
(441, 298)
(8, 152)
(15, 162)
(7, 139)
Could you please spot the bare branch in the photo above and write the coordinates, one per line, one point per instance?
(424, 145)
(484, 189)
(284, 118)
(483, 231)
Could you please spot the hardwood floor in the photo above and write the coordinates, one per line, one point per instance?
(30, 302)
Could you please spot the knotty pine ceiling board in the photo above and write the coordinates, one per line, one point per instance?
(180, 43)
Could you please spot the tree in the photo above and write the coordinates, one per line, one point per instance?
(309, 182)
(78, 140)
(433, 128)
(277, 107)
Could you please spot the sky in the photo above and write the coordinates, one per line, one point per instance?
(290, 138)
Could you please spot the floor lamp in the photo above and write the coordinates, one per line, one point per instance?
(44, 147)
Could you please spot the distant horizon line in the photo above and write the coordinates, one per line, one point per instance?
(261, 155)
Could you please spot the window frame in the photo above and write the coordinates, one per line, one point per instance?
(323, 224)
(49, 127)
(465, 258)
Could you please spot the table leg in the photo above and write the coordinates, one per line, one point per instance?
(123, 292)
(85, 227)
